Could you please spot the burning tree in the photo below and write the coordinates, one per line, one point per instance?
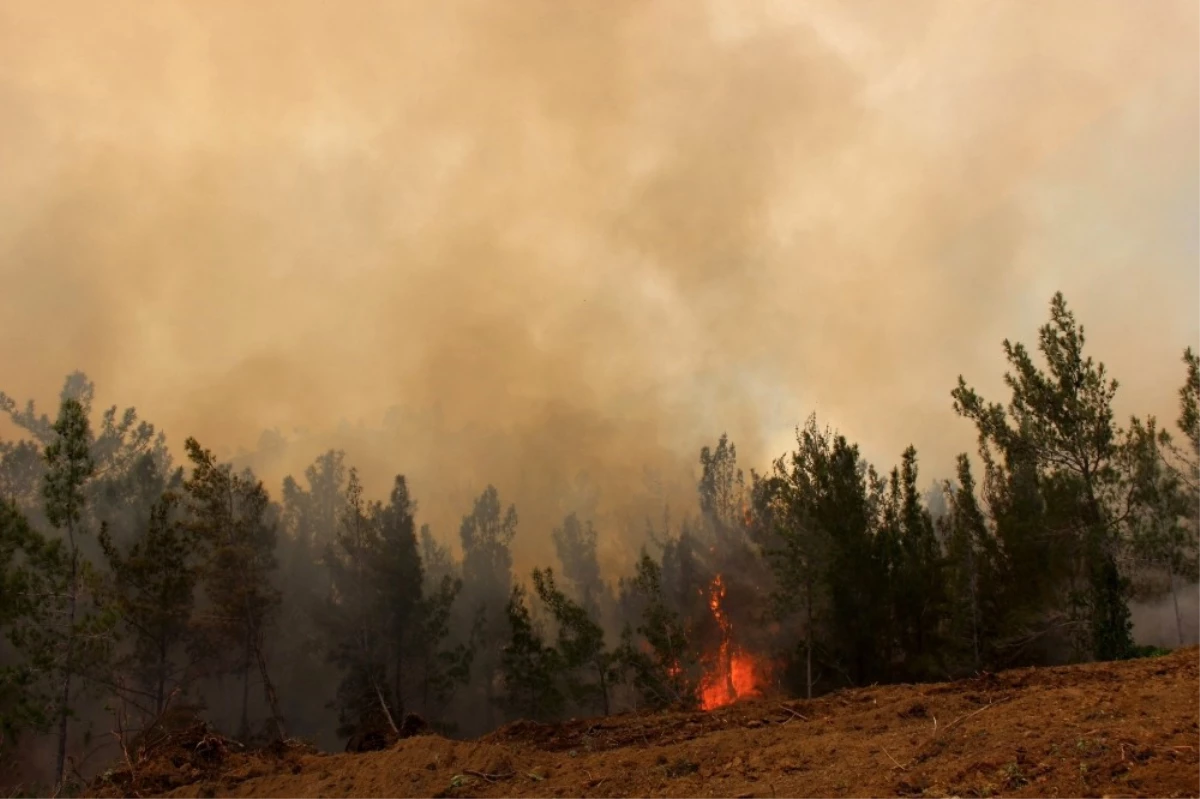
(733, 673)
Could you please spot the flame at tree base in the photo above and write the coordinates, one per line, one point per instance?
(734, 675)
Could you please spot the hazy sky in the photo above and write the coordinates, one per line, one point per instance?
(592, 234)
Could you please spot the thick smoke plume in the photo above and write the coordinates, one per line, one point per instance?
(568, 243)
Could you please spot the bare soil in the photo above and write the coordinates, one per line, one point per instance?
(1107, 729)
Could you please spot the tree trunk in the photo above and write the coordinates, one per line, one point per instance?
(160, 690)
(604, 690)
(808, 636)
(1175, 599)
(68, 664)
(383, 705)
(269, 690)
(398, 697)
(425, 680)
(974, 601)
(244, 733)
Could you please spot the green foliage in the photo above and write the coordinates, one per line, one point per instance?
(722, 487)
(1057, 434)
(441, 668)
(530, 668)
(1069, 516)
(24, 698)
(70, 465)
(353, 619)
(972, 570)
(1189, 400)
(1160, 512)
(1149, 652)
(230, 518)
(70, 634)
(21, 470)
(659, 664)
(920, 586)
(386, 638)
(796, 547)
(397, 572)
(589, 669)
(153, 594)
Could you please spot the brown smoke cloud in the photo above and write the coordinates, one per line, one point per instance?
(571, 242)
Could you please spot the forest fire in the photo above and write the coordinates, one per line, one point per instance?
(734, 674)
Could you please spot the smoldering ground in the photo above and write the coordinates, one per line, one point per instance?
(571, 242)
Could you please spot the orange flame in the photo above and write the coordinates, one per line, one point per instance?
(734, 675)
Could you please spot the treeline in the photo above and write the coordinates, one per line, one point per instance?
(134, 590)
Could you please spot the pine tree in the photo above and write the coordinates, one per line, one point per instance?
(722, 489)
(589, 668)
(530, 668)
(575, 544)
(24, 698)
(230, 517)
(69, 467)
(21, 471)
(153, 595)
(861, 563)
(441, 668)
(436, 560)
(61, 635)
(398, 575)
(326, 479)
(684, 579)
(353, 620)
(487, 535)
(1061, 423)
(1187, 462)
(800, 549)
(1189, 414)
(971, 563)
(119, 448)
(660, 665)
(726, 519)
(922, 581)
(1161, 516)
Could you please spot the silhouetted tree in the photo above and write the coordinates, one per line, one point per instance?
(972, 563)
(589, 669)
(530, 668)
(398, 574)
(1161, 518)
(69, 467)
(575, 544)
(230, 517)
(657, 661)
(487, 534)
(354, 619)
(153, 595)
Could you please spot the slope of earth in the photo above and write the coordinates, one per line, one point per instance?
(1107, 729)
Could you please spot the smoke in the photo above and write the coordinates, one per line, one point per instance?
(559, 246)
(1155, 622)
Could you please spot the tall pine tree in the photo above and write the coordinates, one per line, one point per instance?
(230, 516)
(1060, 422)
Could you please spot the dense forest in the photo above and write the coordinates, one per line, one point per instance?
(134, 588)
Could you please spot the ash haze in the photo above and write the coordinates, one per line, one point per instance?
(569, 243)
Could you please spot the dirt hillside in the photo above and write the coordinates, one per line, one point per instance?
(1110, 729)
